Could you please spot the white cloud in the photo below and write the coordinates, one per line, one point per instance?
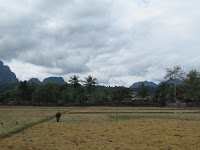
(118, 42)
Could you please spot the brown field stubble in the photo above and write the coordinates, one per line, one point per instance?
(124, 135)
(109, 131)
(13, 117)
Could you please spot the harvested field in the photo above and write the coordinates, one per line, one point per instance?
(134, 134)
(116, 129)
(13, 118)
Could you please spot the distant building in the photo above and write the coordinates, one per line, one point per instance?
(133, 97)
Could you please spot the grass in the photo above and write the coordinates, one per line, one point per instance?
(99, 128)
(136, 134)
(23, 127)
(102, 114)
(189, 117)
(107, 110)
(15, 119)
(111, 114)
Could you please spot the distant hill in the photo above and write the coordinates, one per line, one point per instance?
(49, 79)
(174, 82)
(6, 75)
(36, 80)
(146, 83)
(54, 79)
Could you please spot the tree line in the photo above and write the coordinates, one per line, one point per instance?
(178, 86)
(63, 94)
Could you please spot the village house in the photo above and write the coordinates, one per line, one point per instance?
(133, 97)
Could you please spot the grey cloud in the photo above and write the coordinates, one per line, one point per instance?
(114, 40)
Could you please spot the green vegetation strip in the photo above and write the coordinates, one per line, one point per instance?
(120, 117)
(25, 126)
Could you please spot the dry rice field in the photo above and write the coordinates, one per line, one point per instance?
(103, 128)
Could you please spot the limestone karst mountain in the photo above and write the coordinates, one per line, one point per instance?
(6, 75)
(146, 83)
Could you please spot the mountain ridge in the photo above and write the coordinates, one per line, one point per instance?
(54, 79)
(146, 83)
(6, 75)
(48, 79)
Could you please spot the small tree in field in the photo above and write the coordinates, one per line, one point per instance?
(174, 75)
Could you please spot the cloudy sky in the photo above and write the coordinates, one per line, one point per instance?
(117, 41)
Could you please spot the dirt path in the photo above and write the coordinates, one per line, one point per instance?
(124, 135)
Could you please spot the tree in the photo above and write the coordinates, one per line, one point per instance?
(46, 93)
(89, 83)
(173, 76)
(74, 80)
(68, 94)
(23, 88)
(99, 98)
(142, 90)
(191, 86)
(162, 92)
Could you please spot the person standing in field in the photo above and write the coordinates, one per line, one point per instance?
(58, 116)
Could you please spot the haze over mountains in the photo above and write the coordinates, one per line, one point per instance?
(7, 76)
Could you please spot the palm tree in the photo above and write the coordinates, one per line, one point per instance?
(90, 82)
(74, 80)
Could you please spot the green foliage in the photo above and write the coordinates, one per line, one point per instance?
(98, 98)
(112, 94)
(15, 95)
(74, 80)
(191, 86)
(174, 75)
(21, 93)
(46, 93)
(142, 90)
(64, 94)
(3, 99)
(7, 87)
(89, 83)
(162, 92)
(67, 94)
(125, 91)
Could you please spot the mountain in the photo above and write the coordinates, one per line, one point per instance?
(54, 79)
(174, 82)
(34, 80)
(6, 75)
(146, 83)
(49, 79)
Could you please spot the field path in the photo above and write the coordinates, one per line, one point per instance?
(138, 134)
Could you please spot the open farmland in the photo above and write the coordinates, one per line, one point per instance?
(104, 128)
(14, 118)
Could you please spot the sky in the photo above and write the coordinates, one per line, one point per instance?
(119, 42)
